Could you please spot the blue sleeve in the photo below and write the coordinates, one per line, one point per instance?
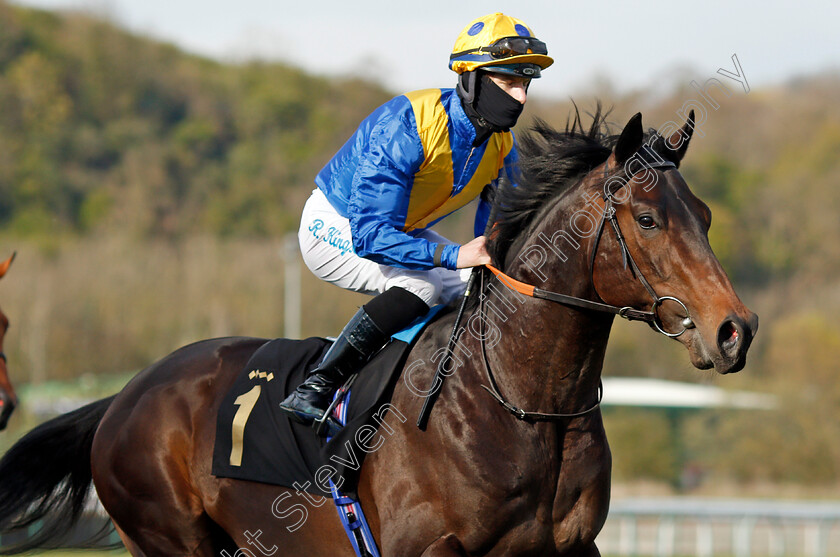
(379, 200)
(511, 169)
(482, 215)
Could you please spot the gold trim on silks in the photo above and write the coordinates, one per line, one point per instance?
(431, 193)
(257, 374)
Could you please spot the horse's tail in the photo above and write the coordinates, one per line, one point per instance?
(45, 480)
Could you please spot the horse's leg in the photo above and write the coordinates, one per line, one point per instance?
(449, 546)
(130, 481)
(142, 452)
(129, 544)
(264, 518)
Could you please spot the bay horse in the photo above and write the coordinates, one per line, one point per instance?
(8, 398)
(603, 225)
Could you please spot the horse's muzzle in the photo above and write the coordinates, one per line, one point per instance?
(734, 337)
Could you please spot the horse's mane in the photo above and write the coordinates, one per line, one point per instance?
(550, 163)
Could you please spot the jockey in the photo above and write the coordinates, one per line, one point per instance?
(413, 161)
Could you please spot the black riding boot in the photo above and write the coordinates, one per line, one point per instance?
(365, 334)
(356, 343)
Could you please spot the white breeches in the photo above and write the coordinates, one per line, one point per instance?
(327, 249)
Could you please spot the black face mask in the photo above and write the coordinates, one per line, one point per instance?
(499, 109)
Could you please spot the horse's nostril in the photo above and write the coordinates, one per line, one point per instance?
(728, 336)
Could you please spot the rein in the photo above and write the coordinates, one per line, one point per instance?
(493, 389)
(626, 312)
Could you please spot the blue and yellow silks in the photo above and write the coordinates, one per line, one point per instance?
(408, 165)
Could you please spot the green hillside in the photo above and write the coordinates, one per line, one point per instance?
(104, 129)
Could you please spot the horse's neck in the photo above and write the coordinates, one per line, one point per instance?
(548, 357)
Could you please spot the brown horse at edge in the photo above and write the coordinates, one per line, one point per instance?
(478, 481)
(8, 398)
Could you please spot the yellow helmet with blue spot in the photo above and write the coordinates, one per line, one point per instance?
(499, 42)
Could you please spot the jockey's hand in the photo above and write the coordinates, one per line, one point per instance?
(473, 253)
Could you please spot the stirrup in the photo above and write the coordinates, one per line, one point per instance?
(328, 426)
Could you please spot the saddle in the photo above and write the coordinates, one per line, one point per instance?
(256, 441)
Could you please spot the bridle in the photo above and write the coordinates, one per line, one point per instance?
(609, 215)
(653, 162)
(631, 314)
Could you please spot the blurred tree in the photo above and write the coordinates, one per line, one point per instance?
(642, 445)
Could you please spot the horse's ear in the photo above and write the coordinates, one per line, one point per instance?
(630, 139)
(681, 137)
(6, 264)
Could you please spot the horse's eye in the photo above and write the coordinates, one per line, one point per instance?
(647, 222)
